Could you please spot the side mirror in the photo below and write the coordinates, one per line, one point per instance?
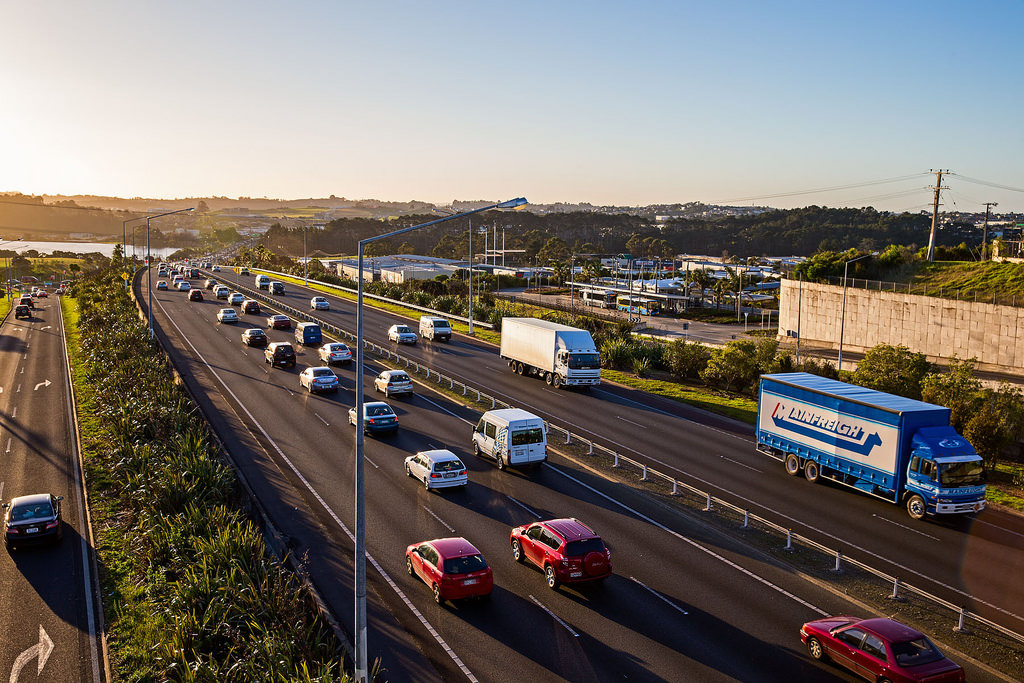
(59, 498)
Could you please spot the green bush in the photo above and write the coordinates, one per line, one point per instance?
(686, 360)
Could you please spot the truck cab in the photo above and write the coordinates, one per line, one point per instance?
(944, 475)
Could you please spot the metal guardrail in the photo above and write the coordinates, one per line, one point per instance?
(416, 307)
(711, 503)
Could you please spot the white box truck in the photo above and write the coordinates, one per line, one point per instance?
(558, 354)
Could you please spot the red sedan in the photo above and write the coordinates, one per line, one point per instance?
(452, 567)
(879, 650)
(279, 322)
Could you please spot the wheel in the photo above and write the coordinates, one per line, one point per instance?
(408, 565)
(916, 507)
(476, 449)
(556, 381)
(426, 484)
(501, 462)
(520, 369)
(517, 551)
(549, 576)
(547, 378)
(437, 594)
(815, 649)
(792, 465)
(812, 471)
(408, 472)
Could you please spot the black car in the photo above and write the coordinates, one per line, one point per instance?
(32, 519)
(251, 306)
(254, 337)
(277, 288)
(22, 311)
(280, 354)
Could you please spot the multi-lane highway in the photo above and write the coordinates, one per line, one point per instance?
(969, 562)
(46, 593)
(683, 604)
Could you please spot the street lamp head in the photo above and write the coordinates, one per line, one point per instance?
(512, 203)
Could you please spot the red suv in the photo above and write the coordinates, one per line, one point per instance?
(567, 550)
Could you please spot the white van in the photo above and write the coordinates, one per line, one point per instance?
(262, 281)
(513, 437)
(434, 328)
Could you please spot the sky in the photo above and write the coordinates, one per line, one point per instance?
(611, 103)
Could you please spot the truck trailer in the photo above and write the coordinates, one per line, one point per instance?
(558, 354)
(895, 448)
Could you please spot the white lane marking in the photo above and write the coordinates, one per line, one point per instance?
(408, 603)
(657, 594)
(522, 506)
(18, 390)
(488, 367)
(619, 417)
(1000, 528)
(14, 413)
(8, 445)
(555, 617)
(321, 419)
(1, 490)
(44, 383)
(741, 464)
(22, 371)
(443, 523)
(40, 650)
(904, 526)
(1, 390)
(693, 543)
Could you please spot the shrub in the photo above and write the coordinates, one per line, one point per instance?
(733, 367)
(687, 360)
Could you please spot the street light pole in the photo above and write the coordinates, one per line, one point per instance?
(149, 265)
(361, 669)
(842, 322)
(124, 243)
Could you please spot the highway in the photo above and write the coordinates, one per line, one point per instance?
(46, 592)
(970, 562)
(684, 603)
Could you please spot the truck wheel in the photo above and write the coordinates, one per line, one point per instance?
(916, 507)
(548, 378)
(811, 471)
(556, 381)
(792, 465)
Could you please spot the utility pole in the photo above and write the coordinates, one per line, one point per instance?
(984, 230)
(935, 212)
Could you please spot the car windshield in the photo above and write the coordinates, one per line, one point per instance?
(589, 545)
(449, 466)
(464, 565)
(525, 437)
(915, 652)
(378, 411)
(33, 511)
(255, 333)
(962, 474)
(402, 329)
(584, 361)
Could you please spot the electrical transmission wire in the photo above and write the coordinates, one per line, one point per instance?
(987, 183)
(818, 190)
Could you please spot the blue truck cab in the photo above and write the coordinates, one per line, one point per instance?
(895, 448)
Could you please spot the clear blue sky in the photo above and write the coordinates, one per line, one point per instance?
(601, 102)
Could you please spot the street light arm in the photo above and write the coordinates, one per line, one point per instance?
(510, 204)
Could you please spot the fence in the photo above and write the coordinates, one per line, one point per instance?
(983, 296)
(833, 562)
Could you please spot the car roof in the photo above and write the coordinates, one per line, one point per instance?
(276, 344)
(33, 499)
(320, 370)
(448, 548)
(439, 455)
(253, 330)
(226, 310)
(892, 631)
(570, 529)
(392, 373)
(376, 403)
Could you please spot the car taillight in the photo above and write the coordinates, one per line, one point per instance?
(434, 475)
(51, 525)
(461, 472)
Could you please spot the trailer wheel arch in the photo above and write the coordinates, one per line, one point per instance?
(793, 465)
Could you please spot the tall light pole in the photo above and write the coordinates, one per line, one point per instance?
(842, 322)
(149, 264)
(361, 670)
(124, 243)
(984, 230)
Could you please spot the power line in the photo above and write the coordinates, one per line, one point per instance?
(987, 183)
(818, 190)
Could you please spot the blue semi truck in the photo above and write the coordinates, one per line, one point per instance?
(887, 446)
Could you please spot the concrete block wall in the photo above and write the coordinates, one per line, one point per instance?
(938, 328)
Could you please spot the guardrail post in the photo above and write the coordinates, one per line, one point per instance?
(643, 477)
(789, 539)
(590, 451)
(895, 589)
(477, 395)
(746, 519)
(492, 403)
(675, 487)
(568, 437)
(960, 628)
(451, 385)
(616, 462)
(839, 561)
(707, 505)
(464, 389)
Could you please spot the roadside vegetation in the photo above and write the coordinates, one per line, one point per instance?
(190, 590)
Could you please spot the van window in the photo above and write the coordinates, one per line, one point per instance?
(490, 430)
(523, 437)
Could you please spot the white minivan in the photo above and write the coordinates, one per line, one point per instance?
(512, 437)
(434, 328)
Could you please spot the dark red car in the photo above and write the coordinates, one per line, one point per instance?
(279, 322)
(251, 306)
(452, 567)
(879, 650)
(566, 550)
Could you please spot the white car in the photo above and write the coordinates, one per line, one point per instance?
(184, 286)
(236, 298)
(335, 352)
(221, 292)
(393, 382)
(319, 303)
(215, 269)
(437, 469)
(227, 315)
(318, 379)
(402, 334)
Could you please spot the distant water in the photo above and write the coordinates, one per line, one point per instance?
(105, 248)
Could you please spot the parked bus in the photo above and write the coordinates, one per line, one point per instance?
(598, 297)
(638, 304)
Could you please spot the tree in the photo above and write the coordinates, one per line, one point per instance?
(957, 389)
(687, 360)
(733, 367)
(554, 249)
(892, 369)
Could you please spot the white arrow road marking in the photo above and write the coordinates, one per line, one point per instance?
(44, 383)
(41, 650)
(45, 328)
